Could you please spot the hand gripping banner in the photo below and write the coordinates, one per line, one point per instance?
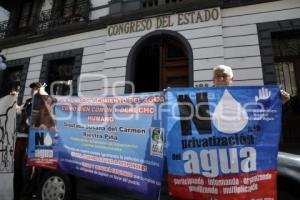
(222, 142)
(114, 140)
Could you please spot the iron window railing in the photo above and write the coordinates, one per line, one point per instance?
(69, 14)
(155, 3)
(3, 29)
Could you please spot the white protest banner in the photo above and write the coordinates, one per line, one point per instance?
(7, 135)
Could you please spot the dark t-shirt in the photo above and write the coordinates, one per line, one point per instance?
(23, 118)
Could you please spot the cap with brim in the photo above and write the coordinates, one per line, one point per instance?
(35, 85)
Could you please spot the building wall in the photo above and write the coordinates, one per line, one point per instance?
(92, 61)
(241, 39)
(232, 40)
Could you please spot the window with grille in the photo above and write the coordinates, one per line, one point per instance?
(286, 51)
(26, 13)
(60, 77)
(63, 12)
(60, 70)
(71, 8)
(11, 80)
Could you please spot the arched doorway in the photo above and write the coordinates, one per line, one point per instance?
(159, 60)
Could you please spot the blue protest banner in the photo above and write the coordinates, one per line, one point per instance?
(222, 142)
(114, 140)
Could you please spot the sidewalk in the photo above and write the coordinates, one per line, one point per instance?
(6, 186)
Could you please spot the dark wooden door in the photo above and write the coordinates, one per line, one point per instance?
(162, 62)
(173, 65)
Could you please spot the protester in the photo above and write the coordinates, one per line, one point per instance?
(24, 175)
(223, 76)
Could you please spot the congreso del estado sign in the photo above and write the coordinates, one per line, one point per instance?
(165, 21)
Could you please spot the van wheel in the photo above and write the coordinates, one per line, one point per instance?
(55, 186)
